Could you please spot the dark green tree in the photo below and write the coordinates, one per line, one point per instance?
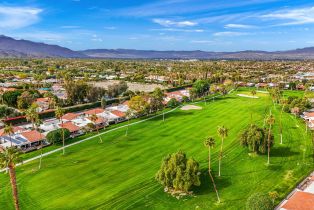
(178, 173)
(255, 139)
(258, 201)
(56, 136)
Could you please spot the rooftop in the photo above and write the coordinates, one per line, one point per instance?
(33, 136)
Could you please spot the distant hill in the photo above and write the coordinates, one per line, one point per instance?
(299, 54)
(10, 47)
(13, 48)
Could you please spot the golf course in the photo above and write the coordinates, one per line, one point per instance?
(120, 172)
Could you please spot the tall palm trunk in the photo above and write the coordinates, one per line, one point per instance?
(14, 186)
(127, 128)
(41, 154)
(63, 143)
(220, 155)
(215, 188)
(281, 124)
(268, 153)
(209, 168)
(10, 139)
(98, 134)
(211, 176)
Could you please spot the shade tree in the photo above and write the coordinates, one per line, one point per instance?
(178, 173)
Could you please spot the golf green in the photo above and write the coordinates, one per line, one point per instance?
(119, 174)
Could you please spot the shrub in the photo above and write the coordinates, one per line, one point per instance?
(258, 201)
(185, 99)
(56, 135)
(178, 173)
(172, 103)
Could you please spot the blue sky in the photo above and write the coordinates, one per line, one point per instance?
(211, 25)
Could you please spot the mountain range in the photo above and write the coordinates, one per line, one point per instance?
(13, 48)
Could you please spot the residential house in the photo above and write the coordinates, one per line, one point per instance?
(95, 111)
(16, 129)
(74, 129)
(24, 140)
(43, 104)
(120, 115)
(301, 198)
(178, 95)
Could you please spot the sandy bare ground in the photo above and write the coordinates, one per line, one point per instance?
(246, 96)
(191, 107)
(133, 86)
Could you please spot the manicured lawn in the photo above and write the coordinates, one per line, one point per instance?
(119, 173)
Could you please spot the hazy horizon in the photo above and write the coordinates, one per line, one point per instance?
(269, 25)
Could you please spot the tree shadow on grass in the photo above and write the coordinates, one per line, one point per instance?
(282, 152)
(207, 185)
(274, 167)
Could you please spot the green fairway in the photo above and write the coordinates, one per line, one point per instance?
(119, 174)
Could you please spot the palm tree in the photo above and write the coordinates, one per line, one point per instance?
(283, 103)
(59, 113)
(270, 121)
(32, 115)
(253, 92)
(38, 123)
(8, 130)
(94, 119)
(223, 133)
(8, 158)
(209, 143)
(129, 114)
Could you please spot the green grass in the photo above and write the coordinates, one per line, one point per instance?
(119, 174)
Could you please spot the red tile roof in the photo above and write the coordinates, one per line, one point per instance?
(4, 89)
(118, 113)
(178, 93)
(99, 120)
(70, 116)
(33, 136)
(70, 126)
(300, 201)
(42, 100)
(309, 114)
(15, 129)
(94, 111)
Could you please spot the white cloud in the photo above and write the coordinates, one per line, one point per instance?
(97, 40)
(168, 23)
(133, 38)
(202, 41)
(169, 38)
(70, 27)
(40, 36)
(18, 17)
(238, 26)
(230, 33)
(110, 28)
(293, 16)
(179, 30)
